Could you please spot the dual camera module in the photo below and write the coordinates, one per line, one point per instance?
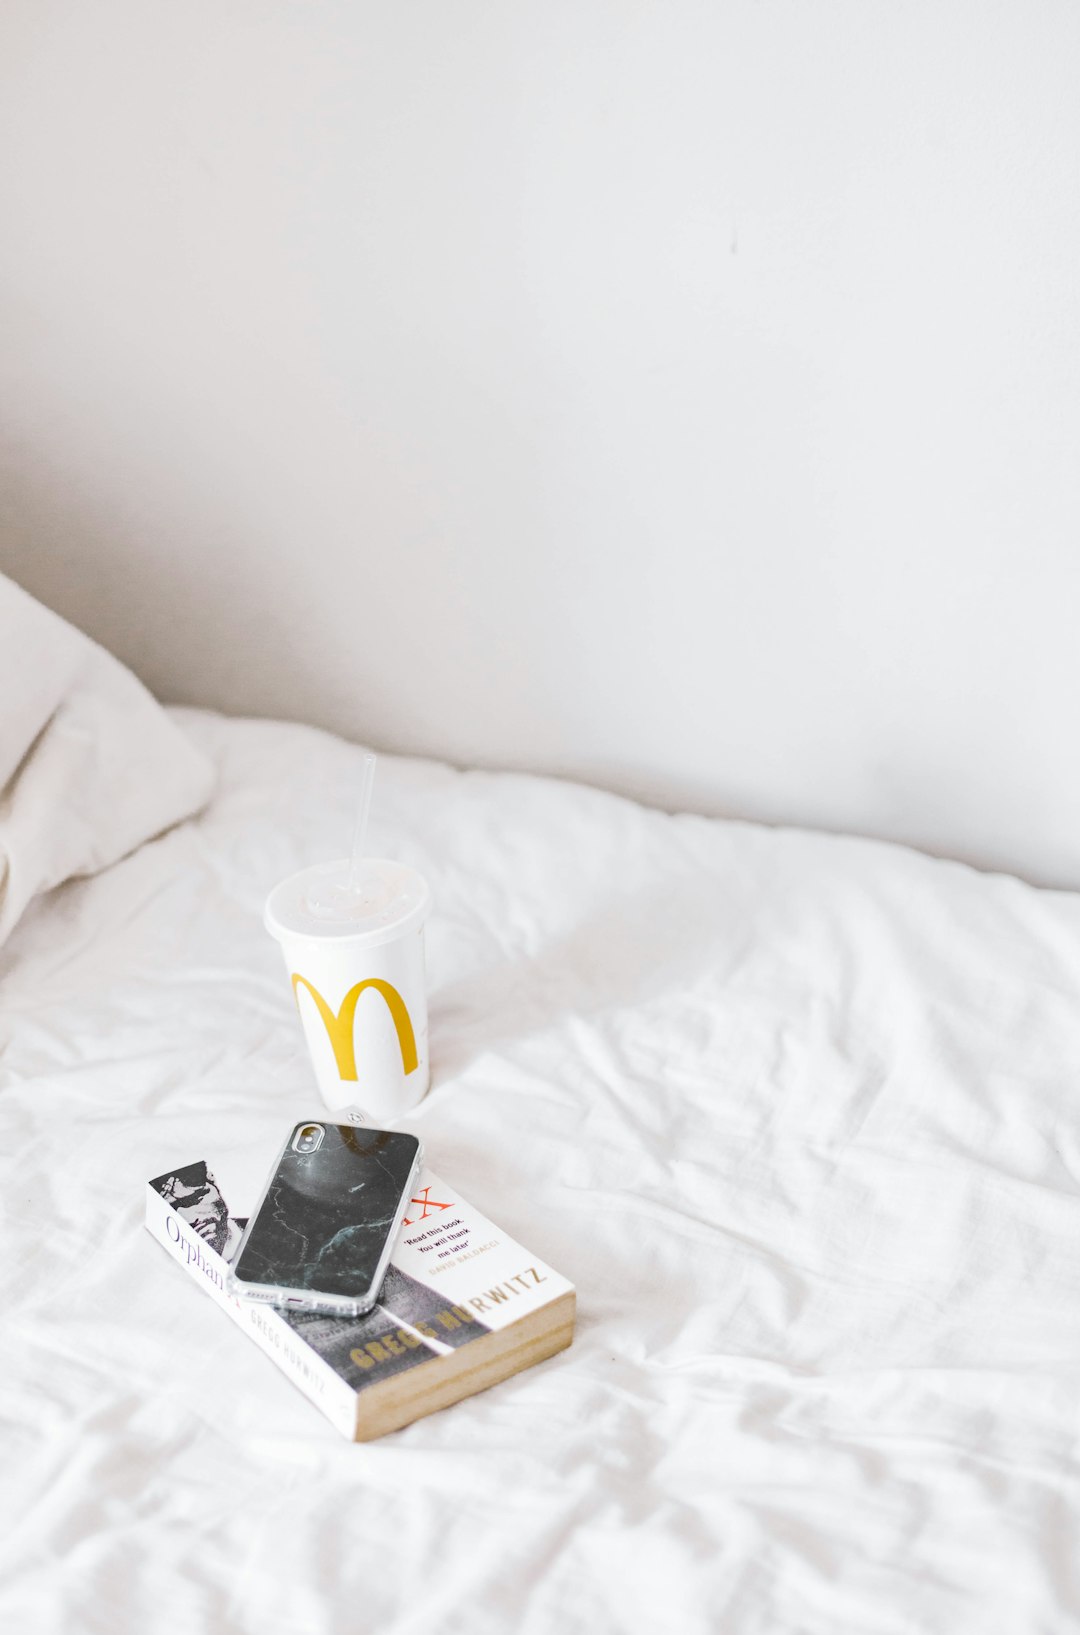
(308, 1138)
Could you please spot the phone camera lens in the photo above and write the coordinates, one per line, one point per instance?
(308, 1138)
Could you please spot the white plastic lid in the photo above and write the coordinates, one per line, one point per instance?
(392, 899)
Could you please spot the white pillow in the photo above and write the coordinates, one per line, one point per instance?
(90, 764)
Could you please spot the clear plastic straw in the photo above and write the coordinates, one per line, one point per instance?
(359, 839)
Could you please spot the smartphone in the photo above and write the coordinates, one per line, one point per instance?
(325, 1226)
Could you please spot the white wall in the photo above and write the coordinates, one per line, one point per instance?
(681, 396)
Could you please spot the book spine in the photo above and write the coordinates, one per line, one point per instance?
(307, 1370)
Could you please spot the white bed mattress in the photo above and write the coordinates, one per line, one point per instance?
(798, 1115)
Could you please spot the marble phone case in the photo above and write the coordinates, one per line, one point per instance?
(322, 1234)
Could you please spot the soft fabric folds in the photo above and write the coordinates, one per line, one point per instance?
(90, 764)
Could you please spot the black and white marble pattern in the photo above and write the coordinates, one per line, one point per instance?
(324, 1222)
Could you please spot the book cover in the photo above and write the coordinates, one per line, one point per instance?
(462, 1307)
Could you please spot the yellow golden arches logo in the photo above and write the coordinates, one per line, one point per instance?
(340, 1027)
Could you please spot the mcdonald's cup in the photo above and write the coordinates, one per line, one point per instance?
(355, 959)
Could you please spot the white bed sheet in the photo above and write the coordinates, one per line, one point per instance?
(797, 1114)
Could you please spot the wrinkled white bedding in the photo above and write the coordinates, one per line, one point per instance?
(800, 1116)
(90, 764)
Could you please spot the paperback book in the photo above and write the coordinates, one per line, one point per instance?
(463, 1306)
